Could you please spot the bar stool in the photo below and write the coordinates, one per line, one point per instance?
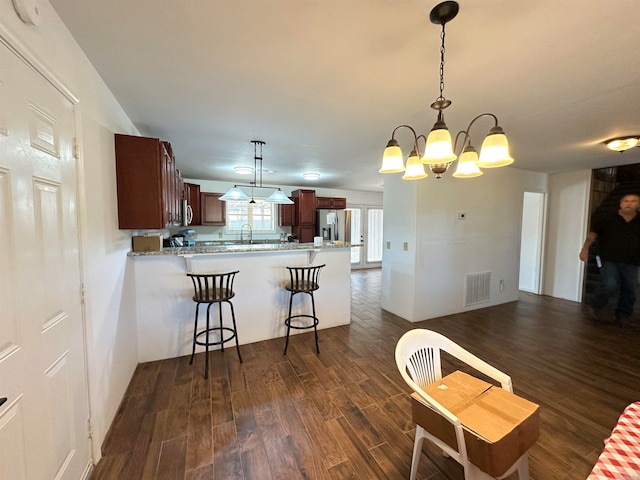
(212, 288)
(303, 280)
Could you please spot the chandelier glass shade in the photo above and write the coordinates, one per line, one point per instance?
(236, 193)
(439, 150)
(621, 144)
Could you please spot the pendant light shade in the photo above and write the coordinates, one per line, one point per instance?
(468, 164)
(415, 168)
(392, 161)
(234, 194)
(279, 197)
(495, 150)
(439, 148)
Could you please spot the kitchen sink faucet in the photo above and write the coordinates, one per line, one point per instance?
(242, 233)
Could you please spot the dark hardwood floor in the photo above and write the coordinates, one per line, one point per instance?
(346, 413)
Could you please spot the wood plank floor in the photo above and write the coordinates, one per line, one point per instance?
(346, 413)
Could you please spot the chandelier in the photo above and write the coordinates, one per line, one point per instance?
(237, 194)
(439, 152)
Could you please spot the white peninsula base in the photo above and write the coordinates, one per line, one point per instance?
(165, 311)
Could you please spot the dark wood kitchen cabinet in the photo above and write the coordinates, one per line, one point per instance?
(305, 215)
(148, 184)
(212, 209)
(336, 203)
(192, 195)
(286, 214)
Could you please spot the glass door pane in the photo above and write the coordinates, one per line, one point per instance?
(374, 239)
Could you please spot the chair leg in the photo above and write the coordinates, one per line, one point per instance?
(523, 467)
(235, 330)
(206, 347)
(315, 326)
(195, 334)
(417, 450)
(220, 325)
(288, 323)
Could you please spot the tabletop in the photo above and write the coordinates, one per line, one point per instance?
(620, 458)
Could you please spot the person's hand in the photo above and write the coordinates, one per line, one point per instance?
(584, 255)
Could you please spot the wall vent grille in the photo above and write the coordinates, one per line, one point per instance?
(477, 288)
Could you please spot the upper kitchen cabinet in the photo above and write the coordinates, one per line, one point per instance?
(212, 209)
(192, 195)
(336, 203)
(305, 215)
(150, 189)
(286, 214)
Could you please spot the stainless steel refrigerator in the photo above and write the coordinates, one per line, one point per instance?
(334, 225)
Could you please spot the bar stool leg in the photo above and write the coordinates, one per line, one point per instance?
(235, 330)
(195, 334)
(206, 347)
(220, 316)
(315, 321)
(287, 322)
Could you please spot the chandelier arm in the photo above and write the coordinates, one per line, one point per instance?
(495, 119)
(415, 135)
(467, 138)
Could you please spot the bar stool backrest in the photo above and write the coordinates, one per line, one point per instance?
(212, 287)
(304, 279)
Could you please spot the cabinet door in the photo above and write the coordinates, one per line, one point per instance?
(192, 194)
(305, 207)
(339, 203)
(304, 233)
(286, 215)
(323, 202)
(212, 209)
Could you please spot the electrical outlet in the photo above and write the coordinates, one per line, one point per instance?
(405, 246)
(462, 215)
(219, 234)
(388, 245)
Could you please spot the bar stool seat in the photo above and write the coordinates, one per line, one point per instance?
(211, 289)
(303, 280)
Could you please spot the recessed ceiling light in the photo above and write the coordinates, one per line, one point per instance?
(621, 144)
(243, 170)
(311, 176)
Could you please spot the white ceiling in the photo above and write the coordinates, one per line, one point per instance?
(324, 82)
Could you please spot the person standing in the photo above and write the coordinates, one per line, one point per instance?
(618, 237)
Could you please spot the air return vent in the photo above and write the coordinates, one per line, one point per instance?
(477, 288)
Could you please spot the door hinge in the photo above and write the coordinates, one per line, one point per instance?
(90, 427)
(83, 293)
(76, 149)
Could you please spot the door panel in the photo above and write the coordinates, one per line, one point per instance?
(366, 229)
(43, 425)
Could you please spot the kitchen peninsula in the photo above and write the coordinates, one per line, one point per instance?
(165, 311)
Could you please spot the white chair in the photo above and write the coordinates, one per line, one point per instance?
(418, 359)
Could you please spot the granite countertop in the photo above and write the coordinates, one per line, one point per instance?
(242, 248)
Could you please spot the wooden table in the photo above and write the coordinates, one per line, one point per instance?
(620, 458)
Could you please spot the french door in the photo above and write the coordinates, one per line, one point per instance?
(366, 229)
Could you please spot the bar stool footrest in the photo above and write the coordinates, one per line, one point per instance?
(214, 330)
(287, 322)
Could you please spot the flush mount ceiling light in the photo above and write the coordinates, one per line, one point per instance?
(621, 144)
(439, 152)
(236, 193)
(311, 176)
(243, 170)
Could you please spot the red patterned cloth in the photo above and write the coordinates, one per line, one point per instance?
(620, 459)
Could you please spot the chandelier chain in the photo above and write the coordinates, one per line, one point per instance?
(441, 97)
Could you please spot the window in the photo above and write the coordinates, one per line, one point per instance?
(260, 215)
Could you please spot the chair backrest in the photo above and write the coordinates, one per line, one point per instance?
(212, 287)
(419, 361)
(304, 279)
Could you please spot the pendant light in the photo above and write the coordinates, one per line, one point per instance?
(439, 150)
(237, 194)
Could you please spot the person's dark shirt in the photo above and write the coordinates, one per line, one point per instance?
(618, 240)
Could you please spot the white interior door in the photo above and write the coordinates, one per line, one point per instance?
(43, 422)
(531, 242)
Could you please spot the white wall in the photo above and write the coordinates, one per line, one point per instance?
(111, 330)
(568, 206)
(442, 249)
